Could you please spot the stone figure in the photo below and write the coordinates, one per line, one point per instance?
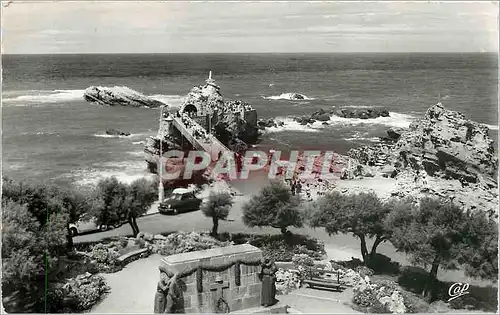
(268, 277)
(166, 294)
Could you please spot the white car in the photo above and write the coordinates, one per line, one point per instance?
(84, 226)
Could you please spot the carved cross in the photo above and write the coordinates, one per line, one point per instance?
(219, 286)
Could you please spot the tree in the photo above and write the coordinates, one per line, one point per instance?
(109, 201)
(115, 202)
(45, 200)
(274, 206)
(217, 207)
(362, 215)
(438, 233)
(141, 194)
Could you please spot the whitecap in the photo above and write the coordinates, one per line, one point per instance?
(171, 100)
(110, 136)
(491, 127)
(40, 96)
(291, 125)
(394, 120)
(288, 96)
(126, 172)
(139, 142)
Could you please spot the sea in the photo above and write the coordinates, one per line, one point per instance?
(50, 133)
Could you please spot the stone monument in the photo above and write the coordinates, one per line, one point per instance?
(219, 280)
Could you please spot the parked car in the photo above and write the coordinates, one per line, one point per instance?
(85, 226)
(181, 200)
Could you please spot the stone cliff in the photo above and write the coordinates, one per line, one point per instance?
(443, 154)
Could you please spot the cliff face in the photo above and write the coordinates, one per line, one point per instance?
(443, 154)
(445, 144)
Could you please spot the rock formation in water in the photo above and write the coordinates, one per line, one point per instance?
(118, 96)
(363, 113)
(232, 122)
(444, 154)
(114, 132)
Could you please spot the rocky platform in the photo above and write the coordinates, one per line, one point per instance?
(119, 96)
(444, 155)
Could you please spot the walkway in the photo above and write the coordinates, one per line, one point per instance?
(211, 145)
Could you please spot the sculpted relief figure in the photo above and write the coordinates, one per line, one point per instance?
(268, 277)
(166, 294)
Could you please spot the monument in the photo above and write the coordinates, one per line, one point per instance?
(219, 280)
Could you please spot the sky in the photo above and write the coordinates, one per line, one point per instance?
(239, 27)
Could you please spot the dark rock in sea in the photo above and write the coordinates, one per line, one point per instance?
(304, 120)
(114, 132)
(267, 123)
(119, 96)
(320, 115)
(368, 113)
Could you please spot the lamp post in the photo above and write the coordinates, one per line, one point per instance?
(161, 192)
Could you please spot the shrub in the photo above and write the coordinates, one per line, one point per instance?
(383, 264)
(123, 242)
(105, 258)
(286, 281)
(78, 294)
(364, 271)
(140, 242)
(182, 242)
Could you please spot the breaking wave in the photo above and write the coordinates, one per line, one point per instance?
(291, 125)
(171, 100)
(40, 96)
(394, 120)
(125, 172)
(289, 97)
(491, 127)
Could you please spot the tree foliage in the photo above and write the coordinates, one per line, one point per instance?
(361, 215)
(217, 207)
(115, 202)
(274, 206)
(440, 234)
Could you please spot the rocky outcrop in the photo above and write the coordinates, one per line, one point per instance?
(363, 113)
(443, 155)
(119, 96)
(445, 144)
(269, 123)
(114, 132)
(393, 134)
(318, 115)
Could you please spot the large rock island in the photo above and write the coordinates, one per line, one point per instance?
(118, 96)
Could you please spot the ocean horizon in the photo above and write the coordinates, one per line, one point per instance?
(50, 133)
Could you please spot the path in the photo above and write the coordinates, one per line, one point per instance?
(132, 289)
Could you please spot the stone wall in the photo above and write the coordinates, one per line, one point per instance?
(225, 262)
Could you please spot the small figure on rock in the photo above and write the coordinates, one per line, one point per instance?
(268, 277)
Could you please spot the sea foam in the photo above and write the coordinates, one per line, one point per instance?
(288, 96)
(54, 96)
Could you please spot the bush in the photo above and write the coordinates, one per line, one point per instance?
(383, 264)
(78, 294)
(105, 258)
(286, 281)
(182, 242)
(364, 271)
(123, 242)
(280, 247)
(140, 242)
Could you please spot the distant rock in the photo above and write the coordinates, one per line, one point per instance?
(320, 115)
(114, 132)
(119, 96)
(269, 123)
(364, 113)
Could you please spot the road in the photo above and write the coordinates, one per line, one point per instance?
(338, 247)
